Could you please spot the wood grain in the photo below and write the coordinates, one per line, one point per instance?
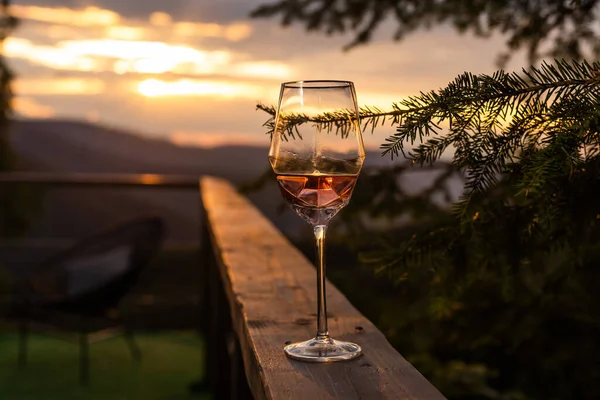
(271, 290)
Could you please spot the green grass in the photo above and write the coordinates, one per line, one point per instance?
(170, 362)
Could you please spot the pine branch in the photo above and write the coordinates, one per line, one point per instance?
(340, 121)
(493, 121)
(501, 91)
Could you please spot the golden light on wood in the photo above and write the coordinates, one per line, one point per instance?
(150, 179)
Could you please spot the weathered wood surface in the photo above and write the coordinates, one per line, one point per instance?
(271, 290)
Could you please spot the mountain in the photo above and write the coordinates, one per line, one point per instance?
(72, 146)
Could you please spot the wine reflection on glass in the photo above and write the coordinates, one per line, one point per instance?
(317, 165)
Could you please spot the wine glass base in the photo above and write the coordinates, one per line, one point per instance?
(323, 350)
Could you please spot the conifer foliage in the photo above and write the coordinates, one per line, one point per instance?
(18, 203)
(536, 124)
(504, 281)
(543, 28)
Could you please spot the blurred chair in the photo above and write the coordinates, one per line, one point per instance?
(79, 289)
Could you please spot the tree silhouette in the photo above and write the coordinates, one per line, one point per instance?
(16, 201)
(555, 28)
(7, 24)
(495, 297)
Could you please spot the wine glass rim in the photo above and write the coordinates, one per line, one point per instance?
(317, 84)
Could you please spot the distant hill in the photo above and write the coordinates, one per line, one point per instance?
(83, 147)
(72, 146)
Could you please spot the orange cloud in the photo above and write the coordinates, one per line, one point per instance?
(211, 140)
(193, 87)
(161, 19)
(29, 108)
(120, 56)
(59, 86)
(119, 27)
(89, 16)
(48, 56)
(233, 32)
(125, 32)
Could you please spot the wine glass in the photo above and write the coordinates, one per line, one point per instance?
(317, 165)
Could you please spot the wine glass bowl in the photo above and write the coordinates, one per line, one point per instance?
(317, 163)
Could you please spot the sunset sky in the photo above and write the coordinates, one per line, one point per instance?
(193, 70)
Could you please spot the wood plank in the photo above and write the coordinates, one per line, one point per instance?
(271, 289)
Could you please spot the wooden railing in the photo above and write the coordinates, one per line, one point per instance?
(262, 295)
(100, 179)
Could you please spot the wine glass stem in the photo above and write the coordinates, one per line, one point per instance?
(322, 331)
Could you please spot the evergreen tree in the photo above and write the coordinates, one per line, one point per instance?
(562, 28)
(491, 295)
(501, 288)
(16, 201)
